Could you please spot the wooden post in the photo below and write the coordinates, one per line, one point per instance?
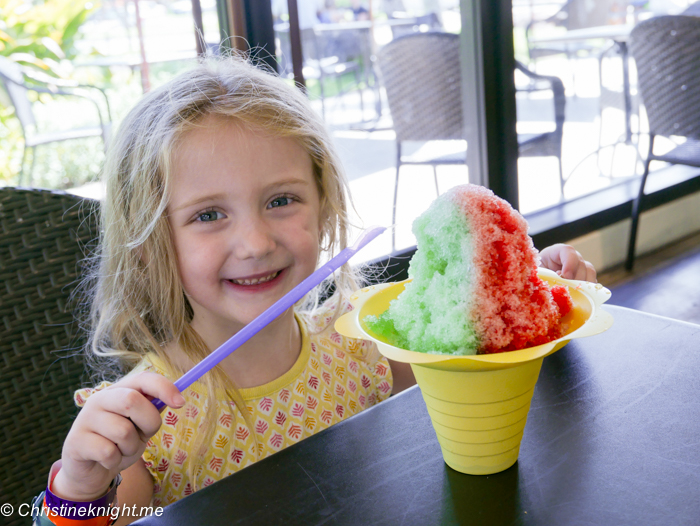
(145, 76)
(199, 29)
(295, 42)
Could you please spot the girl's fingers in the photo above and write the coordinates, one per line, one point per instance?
(120, 431)
(94, 447)
(153, 385)
(568, 263)
(132, 407)
(130, 399)
(581, 270)
(591, 274)
(552, 257)
(571, 263)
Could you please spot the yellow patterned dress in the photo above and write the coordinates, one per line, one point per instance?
(333, 378)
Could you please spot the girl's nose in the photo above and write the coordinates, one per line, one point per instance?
(254, 239)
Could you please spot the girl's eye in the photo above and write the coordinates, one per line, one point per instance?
(208, 216)
(280, 201)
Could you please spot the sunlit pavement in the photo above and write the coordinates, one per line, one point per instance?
(369, 156)
(366, 145)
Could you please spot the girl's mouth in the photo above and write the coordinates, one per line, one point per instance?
(261, 280)
(255, 281)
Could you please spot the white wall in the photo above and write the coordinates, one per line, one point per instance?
(665, 224)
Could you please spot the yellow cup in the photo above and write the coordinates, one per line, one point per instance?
(478, 404)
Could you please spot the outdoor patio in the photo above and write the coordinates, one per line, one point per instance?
(369, 156)
(366, 145)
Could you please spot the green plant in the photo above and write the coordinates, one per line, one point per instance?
(41, 36)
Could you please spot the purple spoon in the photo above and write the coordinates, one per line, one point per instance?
(281, 305)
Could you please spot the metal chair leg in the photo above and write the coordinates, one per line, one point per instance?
(323, 97)
(600, 110)
(359, 89)
(437, 189)
(31, 166)
(396, 193)
(341, 94)
(21, 166)
(612, 158)
(636, 208)
(561, 176)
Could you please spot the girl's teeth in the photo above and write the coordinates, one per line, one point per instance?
(256, 280)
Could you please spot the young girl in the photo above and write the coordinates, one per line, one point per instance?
(222, 190)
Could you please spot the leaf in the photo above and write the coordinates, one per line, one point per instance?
(53, 46)
(73, 26)
(32, 48)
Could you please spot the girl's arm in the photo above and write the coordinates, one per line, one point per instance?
(403, 376)
(136, 489)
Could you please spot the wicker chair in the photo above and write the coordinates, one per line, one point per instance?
(429, 22)
(692, 10)
(423, 84)
(667, 52)
(546, 144)
(43, 236)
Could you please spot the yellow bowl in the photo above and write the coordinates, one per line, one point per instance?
(479, 404)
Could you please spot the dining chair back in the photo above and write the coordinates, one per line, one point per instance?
(692, 10)
(423, 81)
(43, 238)
(13, 78)
(545, 144)
(423, 85)
(666, 50)
(422, 23)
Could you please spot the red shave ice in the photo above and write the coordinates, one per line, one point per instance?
(475, 286)
(513, 307)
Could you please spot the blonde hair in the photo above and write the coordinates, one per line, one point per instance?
(138, 304)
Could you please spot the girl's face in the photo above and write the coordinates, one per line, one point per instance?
(244, 214)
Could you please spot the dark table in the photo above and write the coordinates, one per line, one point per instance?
(613, 438)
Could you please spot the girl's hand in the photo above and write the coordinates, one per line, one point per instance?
(568, 263)
(110, 434)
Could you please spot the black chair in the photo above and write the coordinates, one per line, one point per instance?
(423, 84)
(692, 10)
(429, 22)
(43, 236)
(546, 144)
(19, 82)
(667, 52)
